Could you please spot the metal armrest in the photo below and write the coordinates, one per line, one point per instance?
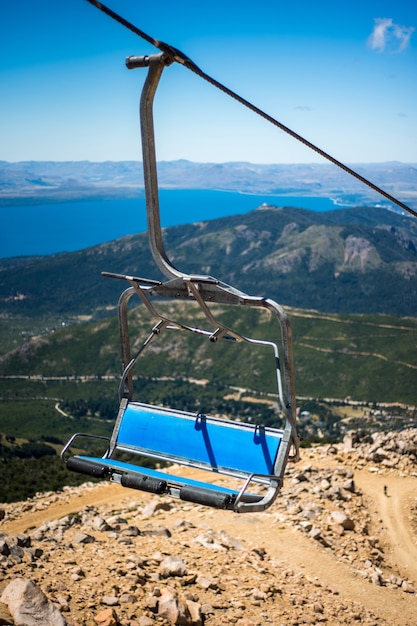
(242, 506)
(87, 436)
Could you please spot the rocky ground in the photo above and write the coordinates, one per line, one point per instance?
(338, 547)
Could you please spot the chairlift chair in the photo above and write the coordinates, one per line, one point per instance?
(253, 454)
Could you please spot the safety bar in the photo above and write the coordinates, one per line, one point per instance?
(214, 292)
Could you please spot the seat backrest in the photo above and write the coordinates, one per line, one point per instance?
(207, 442)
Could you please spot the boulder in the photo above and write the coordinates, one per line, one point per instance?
(29, 606)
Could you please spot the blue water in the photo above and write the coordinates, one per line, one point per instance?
(68, 226)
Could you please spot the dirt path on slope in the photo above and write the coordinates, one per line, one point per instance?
(296, 551)
(393, 509)
(285, 545)
(101, 494)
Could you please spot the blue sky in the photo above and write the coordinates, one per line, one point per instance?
(344, 75)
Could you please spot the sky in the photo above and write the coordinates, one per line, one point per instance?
(342, 75)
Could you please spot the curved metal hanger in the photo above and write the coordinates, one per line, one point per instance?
(156, 64)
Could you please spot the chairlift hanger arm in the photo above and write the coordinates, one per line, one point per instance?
(173, 54)
(156, 64)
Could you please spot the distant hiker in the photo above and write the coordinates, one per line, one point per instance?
(385, 490)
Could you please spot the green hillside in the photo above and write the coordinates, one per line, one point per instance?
(67, 381)
(60, 363)
(364, 357)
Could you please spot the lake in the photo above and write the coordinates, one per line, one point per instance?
(67, 226)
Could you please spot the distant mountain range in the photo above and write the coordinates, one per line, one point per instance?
(35, 181)
(359, 260)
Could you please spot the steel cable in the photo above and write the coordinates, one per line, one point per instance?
(183, 59)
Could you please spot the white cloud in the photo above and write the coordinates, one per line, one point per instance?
(387, 35)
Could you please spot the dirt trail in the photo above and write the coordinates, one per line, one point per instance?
(285, 544)
(391, 497)
(298, 552)
(98, 495)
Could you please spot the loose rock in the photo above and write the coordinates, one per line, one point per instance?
(29, 606)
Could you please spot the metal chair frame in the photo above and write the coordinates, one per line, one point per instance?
(205, 291)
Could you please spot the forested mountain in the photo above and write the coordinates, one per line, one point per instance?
(359, 260)
(341, 263)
